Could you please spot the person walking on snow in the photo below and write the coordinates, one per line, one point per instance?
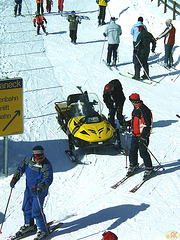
(135, 32)
(169, 41)
(48, 5)
(141, 51)
(17, 7)
(73, 26)
(112, 32)
(60, 6)
(141, 126)
(40, 23)
(102, 11)
(40, 6)
(39, 176)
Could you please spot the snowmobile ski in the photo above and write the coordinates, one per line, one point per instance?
(123, 75)
(127, 176)
(73, 157)
(134, 189)
(28, 233)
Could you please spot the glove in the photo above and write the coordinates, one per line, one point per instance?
(135, 51)
(35, 190)
(153, 50)
(128, 123)
(13, 182)
(104, 35)
(143, 140)
(157, 38)
(34, 25)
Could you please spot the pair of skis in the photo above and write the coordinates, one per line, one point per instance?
(53, 225)
(136, 187)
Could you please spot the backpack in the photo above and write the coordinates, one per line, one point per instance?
(109, 236)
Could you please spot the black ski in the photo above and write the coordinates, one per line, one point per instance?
(126, 177)
(134, 189)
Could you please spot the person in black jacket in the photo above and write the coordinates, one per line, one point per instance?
(142, 50)
(114, 99)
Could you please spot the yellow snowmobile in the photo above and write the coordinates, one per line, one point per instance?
(81, 119)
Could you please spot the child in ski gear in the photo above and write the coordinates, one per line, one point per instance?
(60, 6)
(17, 7)
(39, 176)
(40, 6)
(109, 236)
(141, 126)
(39, 19)
(135, 32)
(48, 5)
(102, 11)
(169, 41)
(114, 99)
(113, 32)
(142, 50)
(73, 25)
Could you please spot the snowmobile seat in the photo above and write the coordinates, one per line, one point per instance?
(62, 108)
(74, 98)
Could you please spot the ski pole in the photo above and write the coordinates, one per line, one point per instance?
(42, 214)
(126, 148)
(5, 210)
(142, 67)
(154, 157)
(109, 11)
(102, 49)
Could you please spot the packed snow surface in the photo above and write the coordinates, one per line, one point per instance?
(51, 67)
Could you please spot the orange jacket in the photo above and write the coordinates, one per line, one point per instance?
(39, 1)
(39, 19)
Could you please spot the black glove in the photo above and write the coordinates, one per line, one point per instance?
(128, 123)
(35, 190)
(135, 51)
(104, 35)
(13, 182)
(153, 50)
(143, 140)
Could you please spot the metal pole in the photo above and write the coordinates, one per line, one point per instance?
(5, 170)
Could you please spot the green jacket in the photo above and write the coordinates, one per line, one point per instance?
(73, 22)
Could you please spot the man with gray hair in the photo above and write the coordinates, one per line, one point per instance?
(113, 32)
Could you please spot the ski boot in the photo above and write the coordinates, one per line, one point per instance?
(40, 235)
(26, 229)
(132, 169)
(147, 172)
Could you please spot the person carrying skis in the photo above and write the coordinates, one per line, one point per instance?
(60, 6)
(141, 51)
(102, 11)
(135, 32)
(39, 176)
(169, 41)
(17, 7)
(113, 32)
(39, 19)
(73, 25)
(114, 99)
(48, 5)
(109, 236)
(40, 6)
(141, 126)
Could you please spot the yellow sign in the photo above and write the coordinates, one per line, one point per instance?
(11, 106)
(172, 235)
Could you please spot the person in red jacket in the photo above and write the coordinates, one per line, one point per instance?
(141, 125)
(60, 6)
(40, 6)
(39, 19)
(48, 5)
(169, 40)
(109, 236)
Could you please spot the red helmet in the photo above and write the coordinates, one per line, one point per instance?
(109, 87)
(109, 236)
(134, 97)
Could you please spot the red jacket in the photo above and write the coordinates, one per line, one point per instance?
(169, 35)
(39, 19)
(141, 123)
(39, 1)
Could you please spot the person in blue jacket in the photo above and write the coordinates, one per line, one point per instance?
(17, 7)
(39, 176)
(135, 32)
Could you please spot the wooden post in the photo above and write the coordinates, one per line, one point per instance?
(174, 10)
(165, 6)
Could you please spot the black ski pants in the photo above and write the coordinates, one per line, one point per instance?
(112, 50)
(18, 7)
(40, 8)
(133, 155)
(73, 35)
(143, 57)
(102, 14)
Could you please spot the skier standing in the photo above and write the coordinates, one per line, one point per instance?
(17, 7)
(39, 176)
(40, 22)
(114, 99)
(40, 6)
(169, 40)
(102, 11)
(113, 32)
(135, 32)
(142, 50)
(73, 25)
(141, 125)
(48, 5)
(60, 6)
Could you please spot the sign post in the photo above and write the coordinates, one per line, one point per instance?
(11, 111)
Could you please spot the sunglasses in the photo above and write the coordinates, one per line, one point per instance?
(38, 156)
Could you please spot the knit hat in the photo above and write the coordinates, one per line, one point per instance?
(113, 19)
(169, 21)
(73, 12)
(108, 87)
(109, 236)
(134, 98)
(38, 150)
(140, 19)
